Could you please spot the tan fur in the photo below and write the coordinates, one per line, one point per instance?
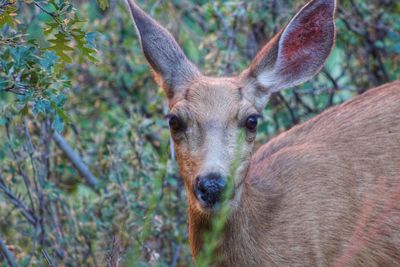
(305, 190)
(213, 109)
(311, 189)
(325, 193)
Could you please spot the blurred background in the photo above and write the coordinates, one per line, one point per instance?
(87, 175)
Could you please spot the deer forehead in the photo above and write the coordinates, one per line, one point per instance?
(214, 100)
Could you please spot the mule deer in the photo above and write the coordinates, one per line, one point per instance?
(324, 193)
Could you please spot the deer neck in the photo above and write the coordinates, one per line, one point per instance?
(240, 233)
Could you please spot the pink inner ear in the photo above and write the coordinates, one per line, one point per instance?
(306, 34)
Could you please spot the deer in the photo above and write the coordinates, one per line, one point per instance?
(324, 193)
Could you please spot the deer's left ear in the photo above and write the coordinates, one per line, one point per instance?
(298, 51)
(173, 71)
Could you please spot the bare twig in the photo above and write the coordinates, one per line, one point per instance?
(4, 4)
(300, 101)
(30, 150)
(18, 90)
(41, 198)
(25, 177)
(76, 161)
(293, 117)
(17, 203)
(47, 257)
(334, 89)
(176, 256)
(113, 257)
(7, 254)
(117, 170)
(54, 16)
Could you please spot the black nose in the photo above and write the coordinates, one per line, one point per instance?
(208, 189)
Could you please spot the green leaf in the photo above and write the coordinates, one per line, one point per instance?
(3, 83)
(61, 113)
(51, 27)
(90, 38)
(81, 42)
(103, 4)
(48, 60)
(20, 55)
(60, 47)
(7, 14)
(190, 47)
(58, 124)
(25, 110)
(41, 106)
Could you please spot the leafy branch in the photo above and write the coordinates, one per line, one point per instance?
(55, 17)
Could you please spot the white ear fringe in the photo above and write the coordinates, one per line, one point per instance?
(271, 80)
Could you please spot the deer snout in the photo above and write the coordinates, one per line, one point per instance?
(208, 189)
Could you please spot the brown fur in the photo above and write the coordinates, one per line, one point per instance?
(307, 191)
(325, 193)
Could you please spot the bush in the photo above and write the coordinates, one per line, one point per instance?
(87, 176)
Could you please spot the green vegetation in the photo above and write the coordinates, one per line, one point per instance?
(87, 176)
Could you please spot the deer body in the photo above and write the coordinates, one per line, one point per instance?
(325, 193)
(310, 200)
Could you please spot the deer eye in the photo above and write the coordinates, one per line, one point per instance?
(175, 123)
(251, 123)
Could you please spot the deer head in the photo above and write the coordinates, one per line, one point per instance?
(208, 115)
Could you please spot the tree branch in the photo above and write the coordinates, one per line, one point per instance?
(76, 161)
(17, 202)
(294, 119)
(54, 16)
(7, 254)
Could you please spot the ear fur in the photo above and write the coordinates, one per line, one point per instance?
(297, 52)
(173, 71)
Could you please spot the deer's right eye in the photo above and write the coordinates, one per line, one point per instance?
(175, 123)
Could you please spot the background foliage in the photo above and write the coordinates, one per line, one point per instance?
(87, 176)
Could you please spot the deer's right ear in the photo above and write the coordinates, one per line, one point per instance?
(296, 53)
(173, 71)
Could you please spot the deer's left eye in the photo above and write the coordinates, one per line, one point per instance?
(175, 123)
(251, 123)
